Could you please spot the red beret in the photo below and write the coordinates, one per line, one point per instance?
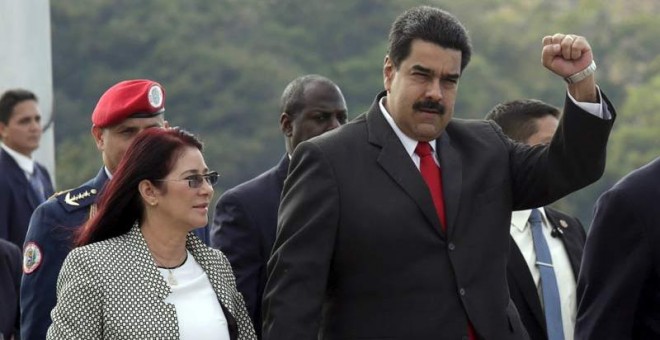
(139, 98)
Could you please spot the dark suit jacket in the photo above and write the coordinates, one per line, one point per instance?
(521, 284)
(619, 283)
(18, 200)
(360, 252)
(10, 280)
(244, 229)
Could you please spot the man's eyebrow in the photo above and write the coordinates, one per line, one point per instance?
(422, 69)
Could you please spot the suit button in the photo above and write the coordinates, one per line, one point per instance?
(451, 246)
(461, 291)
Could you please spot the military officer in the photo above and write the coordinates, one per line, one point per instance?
(124, 110)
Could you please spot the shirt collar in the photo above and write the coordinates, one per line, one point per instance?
(408, 143)
(520, 218)
(24, 162)
(107, 172)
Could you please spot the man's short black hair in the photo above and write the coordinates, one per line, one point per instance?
(293, 97)
(517, 118)
(431, 25)
(10, 99)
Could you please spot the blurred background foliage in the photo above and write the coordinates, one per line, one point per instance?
(224, 64)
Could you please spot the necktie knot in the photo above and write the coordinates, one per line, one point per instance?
(535, 218)
(423, 149)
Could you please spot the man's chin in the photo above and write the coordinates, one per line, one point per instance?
(428, 132)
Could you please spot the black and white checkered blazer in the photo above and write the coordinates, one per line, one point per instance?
(113, 290)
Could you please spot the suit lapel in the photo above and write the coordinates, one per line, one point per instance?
(145, 263)
(452, 178)
(518, 269)
(570, 238)
(398, 165)
(17, 177)
(281, 171)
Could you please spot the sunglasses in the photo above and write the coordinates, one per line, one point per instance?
(195, 181)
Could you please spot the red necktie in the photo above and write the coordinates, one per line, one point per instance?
(433, 178)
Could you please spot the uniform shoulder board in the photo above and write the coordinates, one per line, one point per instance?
(57, 194)
(77, 198)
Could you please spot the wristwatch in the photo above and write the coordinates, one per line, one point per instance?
(582, 74)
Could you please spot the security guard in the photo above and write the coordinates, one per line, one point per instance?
(124, 110)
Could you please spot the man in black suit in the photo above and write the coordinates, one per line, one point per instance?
(246, 216)
(534, 122)
(24, 183)
(366, 249)
(619, 284)
(10, 280)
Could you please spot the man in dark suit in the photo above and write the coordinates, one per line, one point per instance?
(24, 183)
(371, 246)
(10, 280)
(534, 122)
(124, 110)
(246, 216)
(619, 284)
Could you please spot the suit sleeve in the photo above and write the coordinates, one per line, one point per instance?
(6, 211)
(616, 263)
(234, 233)
(299, 267)
(38, 287)
(574, 159)
(10, 278)
(78, 313)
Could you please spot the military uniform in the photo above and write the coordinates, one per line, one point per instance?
(47, 243)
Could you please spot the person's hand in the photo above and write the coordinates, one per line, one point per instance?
(566, 55)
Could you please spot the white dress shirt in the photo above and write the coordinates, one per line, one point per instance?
(24, 162)
(521, 232)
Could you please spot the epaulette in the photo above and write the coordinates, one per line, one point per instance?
(77, 198)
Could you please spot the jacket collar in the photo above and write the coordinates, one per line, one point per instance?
(381, 134)
(208, 259)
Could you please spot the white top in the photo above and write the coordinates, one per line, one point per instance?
(521, 232)
(198, 310)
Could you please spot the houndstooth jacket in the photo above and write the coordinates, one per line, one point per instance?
(112, 290)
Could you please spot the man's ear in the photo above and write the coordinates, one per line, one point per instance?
(97, 133)
(388, 73)
(285, 124)
(3, 126)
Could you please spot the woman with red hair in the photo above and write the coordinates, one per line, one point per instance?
(139, 272)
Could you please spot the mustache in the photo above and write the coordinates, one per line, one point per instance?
(429, 105)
